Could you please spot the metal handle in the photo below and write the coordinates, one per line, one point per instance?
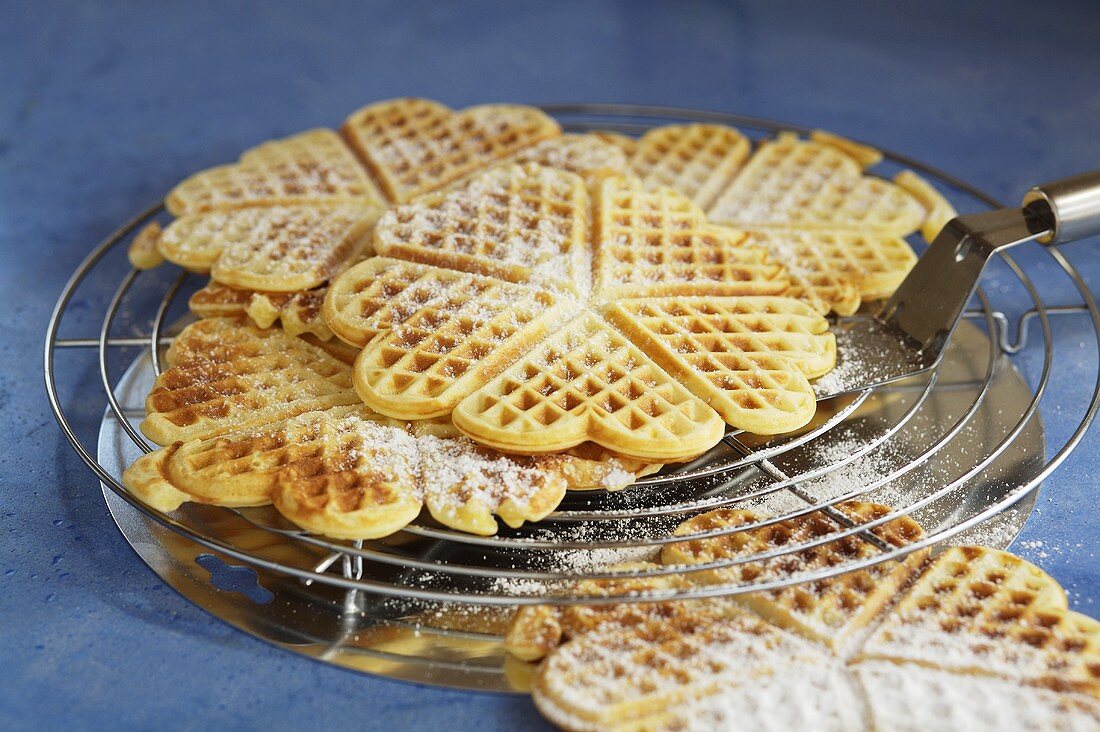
(1070, 207)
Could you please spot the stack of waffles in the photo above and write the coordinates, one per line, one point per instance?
(478, 312)
(973, 639)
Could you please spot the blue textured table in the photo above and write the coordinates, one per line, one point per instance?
(104, 106)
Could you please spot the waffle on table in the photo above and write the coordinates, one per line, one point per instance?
(706, 664)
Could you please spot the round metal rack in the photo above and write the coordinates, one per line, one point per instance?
(962, 451)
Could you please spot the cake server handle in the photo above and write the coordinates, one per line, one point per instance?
(1069, 207)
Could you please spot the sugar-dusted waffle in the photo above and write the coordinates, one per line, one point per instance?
(627, 144)
(915, 698)
(829, 611)
(660, 243)
(453, 333)
(299, 313)
(348, 472)
(274, 248)
(697, 160)
(694, 671)
(521, 223)
(224, 374)
(313, 167)
(414, 146)
(536, 630)
(589, 156)
(749, 358)
(815, 184)
(984, 611)
(588, 382)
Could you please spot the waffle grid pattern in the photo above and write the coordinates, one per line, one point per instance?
(697, 160)
(414, 145)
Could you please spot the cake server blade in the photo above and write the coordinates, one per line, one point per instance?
(908, 336)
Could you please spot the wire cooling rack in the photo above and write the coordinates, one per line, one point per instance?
(961, 450)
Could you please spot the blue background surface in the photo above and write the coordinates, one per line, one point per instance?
(103, 106)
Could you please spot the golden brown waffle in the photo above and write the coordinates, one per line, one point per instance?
(697, 160)
(277, 248)
(589, 156)
(226, 375)
(519, 223)
(215, 300)
(814, 184)
(747, 357)
(414, 146)
(984, 611)
(313, 167)
(299, 313)
(588, 382)
(694, 671)
(143, 252)
(627, 144)
(535, 630)
(912, 697)
(446, 334)
(938, 209)
(829, 611)
(348, 472)
(828, 265)
(659, 243)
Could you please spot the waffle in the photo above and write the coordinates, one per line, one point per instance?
(299, 313)
(313, 167)
(350, 473)
(913, 698)
(414, 146)
(215, 300)
(983, 611)
(747, 357)
(535, 630)
(659, 243)
(143, 252)
(624, 142)
(697, 160)
(815, 184)
(938, 209)
(519, 223)
(589, 156)
(829, 265)
(693, 671)
(830, 611)
(227, 375)
(277, 248)
(446, 334)
(588, 382)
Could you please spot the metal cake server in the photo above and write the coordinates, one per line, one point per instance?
(908, 335)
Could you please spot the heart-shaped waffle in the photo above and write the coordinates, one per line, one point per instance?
(227, 375)
(348, 472)
(696, 160)
(998, 650)
(519, 223)
(588, 382)
(978, 610)
(874, 264)
(414, 146)
(660, 243)
(747, 357)
(814, 184)
(828, 611)
(313, 167)
(275, 248)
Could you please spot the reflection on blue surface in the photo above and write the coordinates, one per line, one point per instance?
(103, 106)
